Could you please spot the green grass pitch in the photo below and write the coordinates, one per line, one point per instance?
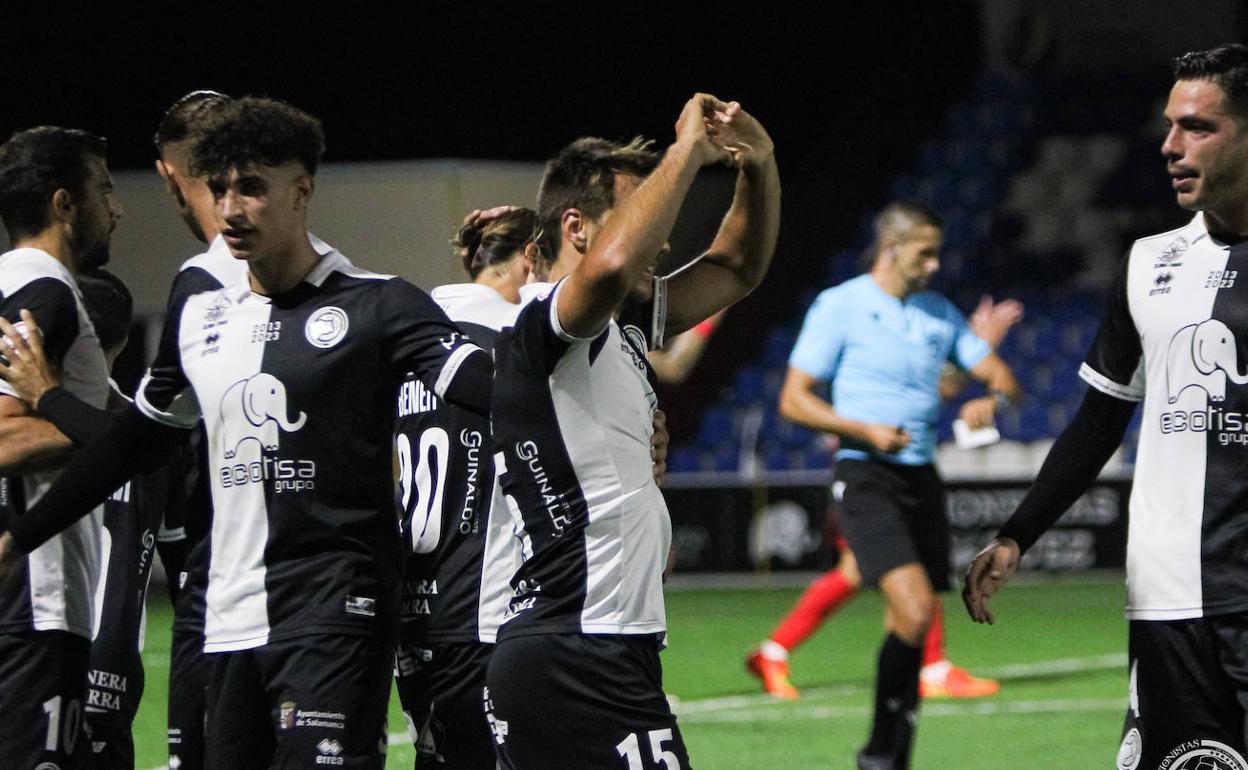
(1059, 647)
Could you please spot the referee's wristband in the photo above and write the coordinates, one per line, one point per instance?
(1001, 400)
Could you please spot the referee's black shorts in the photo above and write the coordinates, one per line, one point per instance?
(579, 701)
(1189, 688)
(893, 515)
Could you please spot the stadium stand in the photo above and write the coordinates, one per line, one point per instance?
(1019, 224)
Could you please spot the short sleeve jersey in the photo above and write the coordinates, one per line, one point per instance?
(296, 392)
(55, 588)
(573, 420)
(882, 356)
(1175, 335)
(455, 585)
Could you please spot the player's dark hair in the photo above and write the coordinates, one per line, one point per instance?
(495, 241)
(109, 306)
(896, 221)
(582, 176)
(255, 130)
(1225, 65)
(175, 124)
(37, 162)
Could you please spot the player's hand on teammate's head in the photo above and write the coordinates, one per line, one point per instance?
(741, 135)
(694, 127)
(659, 442)
(887, 439)
(993, 321)
(484, 215)
(25, 367)
(990, 570)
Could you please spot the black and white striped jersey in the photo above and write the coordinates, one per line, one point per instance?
(573, 420)
(54, 590)
(296, 394)
(216, 268)
(1176, 337)
(456, 580)
(145, 511)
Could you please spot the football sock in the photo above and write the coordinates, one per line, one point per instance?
(820, 599)
(934, 645)
(896, 698)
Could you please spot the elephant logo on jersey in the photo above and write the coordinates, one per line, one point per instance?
(252, 410)
(1202, 356)
(326, 327)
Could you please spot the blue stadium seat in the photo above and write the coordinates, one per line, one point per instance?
(717, 427)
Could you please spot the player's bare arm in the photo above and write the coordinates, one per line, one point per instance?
(28, 443)
(800, 403)
(660, 440)
(674, 363)
(991, 322)
(996, 374)
(638, 228)
(738, 258)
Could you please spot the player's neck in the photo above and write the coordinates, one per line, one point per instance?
(52, 241)
(278, 273)
(890, 282)
(503, 284)
(1228, 226)
(567, 260)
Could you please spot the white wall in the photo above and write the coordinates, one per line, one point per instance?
(390, 217)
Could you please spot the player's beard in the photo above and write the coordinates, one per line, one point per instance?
(90, 248)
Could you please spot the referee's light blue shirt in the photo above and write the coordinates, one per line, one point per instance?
(883, 356)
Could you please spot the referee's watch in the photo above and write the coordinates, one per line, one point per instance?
(1001, 400)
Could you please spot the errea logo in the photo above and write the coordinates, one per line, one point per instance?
(326, 326)
(330, 752)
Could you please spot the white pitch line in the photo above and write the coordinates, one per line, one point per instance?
(1060, 666)
(1014, 671)
(765, 708)
(988, 708)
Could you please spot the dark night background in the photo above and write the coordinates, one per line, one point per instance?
(847, 92)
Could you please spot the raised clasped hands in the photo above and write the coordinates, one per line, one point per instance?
(722, 132)
(740, 135)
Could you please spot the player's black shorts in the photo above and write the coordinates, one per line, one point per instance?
(188, 676)
(44, 676)
(571, 700)
(315, 701)
(441, 688)
(112, 747)
(112, 700)
(894, 515)
(1189, 687)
